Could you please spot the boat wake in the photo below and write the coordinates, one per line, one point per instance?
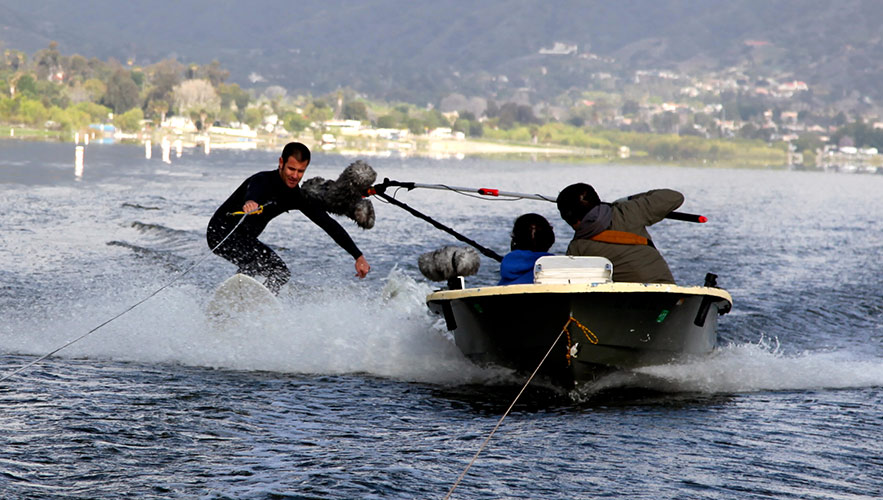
(748, 367)
(169, 238)
(138, 206)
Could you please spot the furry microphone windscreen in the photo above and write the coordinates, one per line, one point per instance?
(345, 196)
(449, 262)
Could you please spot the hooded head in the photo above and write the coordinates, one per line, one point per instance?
(575, 201)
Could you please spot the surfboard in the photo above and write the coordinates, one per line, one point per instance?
(240, 294)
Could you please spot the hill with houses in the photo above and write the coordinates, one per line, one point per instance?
(508, 50)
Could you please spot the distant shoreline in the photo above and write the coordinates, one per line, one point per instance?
(422, 148)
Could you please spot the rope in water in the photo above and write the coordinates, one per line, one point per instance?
(500, 422)
(133, 306)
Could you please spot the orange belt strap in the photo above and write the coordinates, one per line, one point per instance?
(619, 237)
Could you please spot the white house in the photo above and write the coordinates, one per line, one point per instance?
(179, 124)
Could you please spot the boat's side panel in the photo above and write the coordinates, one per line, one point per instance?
(632, 329)
(514, 331)
(642, 329)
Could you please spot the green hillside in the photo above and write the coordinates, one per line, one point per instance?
(422, 51)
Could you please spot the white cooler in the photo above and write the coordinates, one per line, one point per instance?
(565, 269)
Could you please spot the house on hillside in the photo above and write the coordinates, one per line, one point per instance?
(356, 124)
(788, 89)
(559, 49)
(441, 133)
(788, 117)
(242, 132)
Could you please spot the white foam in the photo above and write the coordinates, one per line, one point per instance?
(333, 329)
(354, 327)
(753, 367)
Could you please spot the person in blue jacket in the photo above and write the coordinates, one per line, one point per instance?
(532, 237)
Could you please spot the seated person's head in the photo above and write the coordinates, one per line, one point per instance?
(532, 232)
(575, 201)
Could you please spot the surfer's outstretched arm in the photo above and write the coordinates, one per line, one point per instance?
(321, 218)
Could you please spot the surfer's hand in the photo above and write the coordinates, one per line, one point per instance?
(250, 206)
(362, 267)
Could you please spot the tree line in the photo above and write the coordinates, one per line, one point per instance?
(64, 93)
(51, 90)
(70, 92)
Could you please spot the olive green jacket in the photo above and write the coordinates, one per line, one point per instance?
(634, 263)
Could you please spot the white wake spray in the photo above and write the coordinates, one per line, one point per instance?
(321, 329)
(750, 367)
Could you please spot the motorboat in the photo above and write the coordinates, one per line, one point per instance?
(603, 325)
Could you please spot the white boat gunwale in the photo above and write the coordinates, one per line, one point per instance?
(611, 287)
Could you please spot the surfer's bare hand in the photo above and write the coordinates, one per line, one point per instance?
(250, 206)
(362, 267)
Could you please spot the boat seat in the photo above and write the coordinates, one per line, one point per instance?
(566, 269)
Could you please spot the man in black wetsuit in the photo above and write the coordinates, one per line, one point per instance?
(278, 192)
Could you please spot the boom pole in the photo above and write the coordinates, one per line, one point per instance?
(496, 193)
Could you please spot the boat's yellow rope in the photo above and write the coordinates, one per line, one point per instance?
(588, 333)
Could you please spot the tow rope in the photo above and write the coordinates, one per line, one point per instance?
(589, 335)
(500, 422)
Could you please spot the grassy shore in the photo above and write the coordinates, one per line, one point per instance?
(7, 132)
(604, 147)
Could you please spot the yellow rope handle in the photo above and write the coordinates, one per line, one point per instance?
(588, 333)
(256, 211)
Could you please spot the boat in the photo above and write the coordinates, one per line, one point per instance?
(604, 325)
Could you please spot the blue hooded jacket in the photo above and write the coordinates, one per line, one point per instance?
(517, 267)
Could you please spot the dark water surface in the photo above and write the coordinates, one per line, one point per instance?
(356, 391)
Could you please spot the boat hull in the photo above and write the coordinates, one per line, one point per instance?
(634, 325)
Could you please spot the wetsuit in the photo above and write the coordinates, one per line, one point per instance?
(242, 246)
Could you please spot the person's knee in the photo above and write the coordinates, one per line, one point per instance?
(279, 272)
(284, 274)
(271, 268)
(277, 279)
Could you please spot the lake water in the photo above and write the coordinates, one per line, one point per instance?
(356, 391)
